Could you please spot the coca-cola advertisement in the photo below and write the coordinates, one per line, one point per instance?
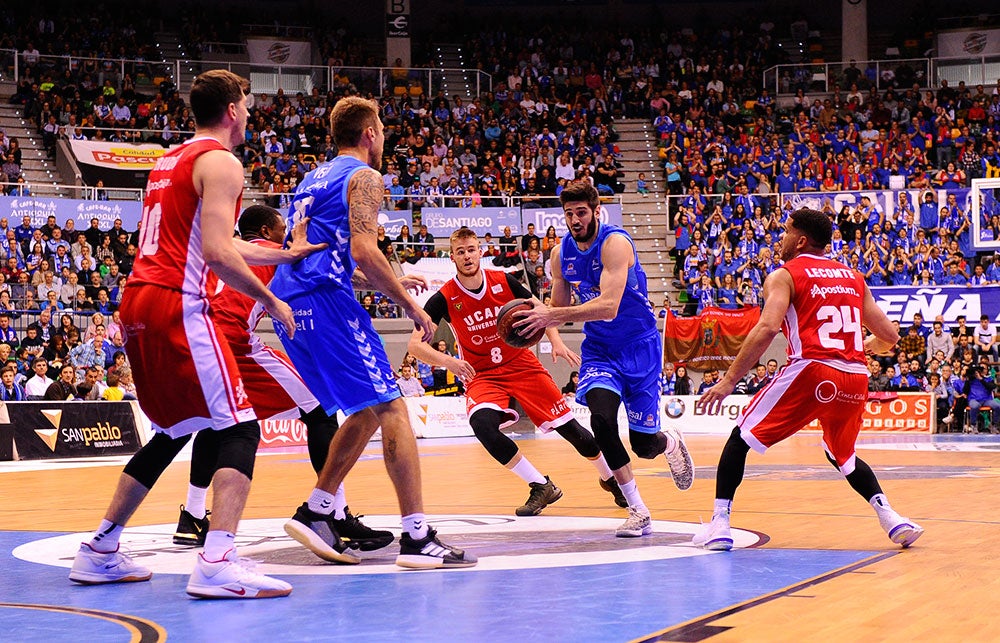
(282, 433)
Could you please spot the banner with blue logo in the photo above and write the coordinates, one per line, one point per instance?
(14, 208)
(900, 303)
(887, 201)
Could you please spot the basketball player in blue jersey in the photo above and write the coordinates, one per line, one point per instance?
(621, 350)
(336, 349)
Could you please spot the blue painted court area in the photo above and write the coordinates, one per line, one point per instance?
(606, 602)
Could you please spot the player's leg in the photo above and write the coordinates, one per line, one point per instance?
(487, 402)
(640, 364)
(345, 366)
(193, 522)
(545, 405)
(218, 572)
(98, 561)
(603, 404)
(841, 420)
(320, 429)
(777, 411)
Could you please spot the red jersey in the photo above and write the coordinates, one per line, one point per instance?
(170, 254)
(236, 315)
(823, 322)
(473, 318)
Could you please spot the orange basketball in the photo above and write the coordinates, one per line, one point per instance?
(505, 325)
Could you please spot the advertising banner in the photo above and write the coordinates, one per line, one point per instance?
(900, 303)
(14, 208)
(710, 340)
(6, 443)
(75, 429)
(886, 201)
(273, 51)
(118, 156)
(977, 42)
(441, 222)
(883, 412)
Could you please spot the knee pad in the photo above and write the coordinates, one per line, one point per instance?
(204, 457)
(320, 429)
(606, 436)
(647, 445)
(580, 438)
(486, 425)
(152, 460)
(238, 447)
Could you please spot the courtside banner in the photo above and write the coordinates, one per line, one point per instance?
(441, 222)
(15, 208)
(900, 303)
(73, 429)
(883, 412)
(6, 443)
(710, 340)
(438, 417)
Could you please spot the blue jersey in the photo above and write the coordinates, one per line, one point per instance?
(321, 196)
(582, 269)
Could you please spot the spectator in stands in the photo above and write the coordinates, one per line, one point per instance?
(985, 338)
(8, 335)
(63, 388)
(36, 386)
(10, 391)
(683, 385)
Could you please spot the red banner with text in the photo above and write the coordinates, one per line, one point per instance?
(710, 340)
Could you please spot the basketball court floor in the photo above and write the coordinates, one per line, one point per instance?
(811, 562)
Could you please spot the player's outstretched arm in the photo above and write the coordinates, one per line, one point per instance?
(218, 179)
(884, 335)
(426, 353)
(616, 257)
(364, 197)
(298, 248)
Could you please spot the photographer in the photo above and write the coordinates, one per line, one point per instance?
(978, 393)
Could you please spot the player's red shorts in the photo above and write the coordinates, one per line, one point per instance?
(186, 377)
(529, 383)
(275, 388)
(802, 392)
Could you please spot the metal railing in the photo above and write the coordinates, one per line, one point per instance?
(377, 81)
(822, 77)
(83, 192)
(899, 74)
(98, 70)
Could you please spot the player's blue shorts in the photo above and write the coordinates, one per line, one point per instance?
(632, 370)
(338, 353)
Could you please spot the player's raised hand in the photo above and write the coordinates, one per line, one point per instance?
(422, 322)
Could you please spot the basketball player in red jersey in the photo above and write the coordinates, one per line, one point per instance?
(821, 306)
(186, 377)
(493, 372)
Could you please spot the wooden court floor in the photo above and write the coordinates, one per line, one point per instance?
(945, 588)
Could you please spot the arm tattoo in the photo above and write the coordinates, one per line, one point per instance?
(365, 197)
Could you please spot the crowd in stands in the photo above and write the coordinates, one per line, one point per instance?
(60, 331)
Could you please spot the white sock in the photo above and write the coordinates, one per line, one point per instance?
(217, 543)
(671, 442)
(195, 504)
(631, 492)
(340, 503)
(722, 508)
(415, 525)
(321, 502)
(106, 537)
(602, 467)
(527, 472)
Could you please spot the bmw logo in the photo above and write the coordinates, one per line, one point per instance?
(674, 408)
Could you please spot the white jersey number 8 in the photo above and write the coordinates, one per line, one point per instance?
(842, 320)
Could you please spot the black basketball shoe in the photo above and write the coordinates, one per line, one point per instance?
(542, 495)
(431, 553)
(356, 535)
(190, 530)
(318, 533)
